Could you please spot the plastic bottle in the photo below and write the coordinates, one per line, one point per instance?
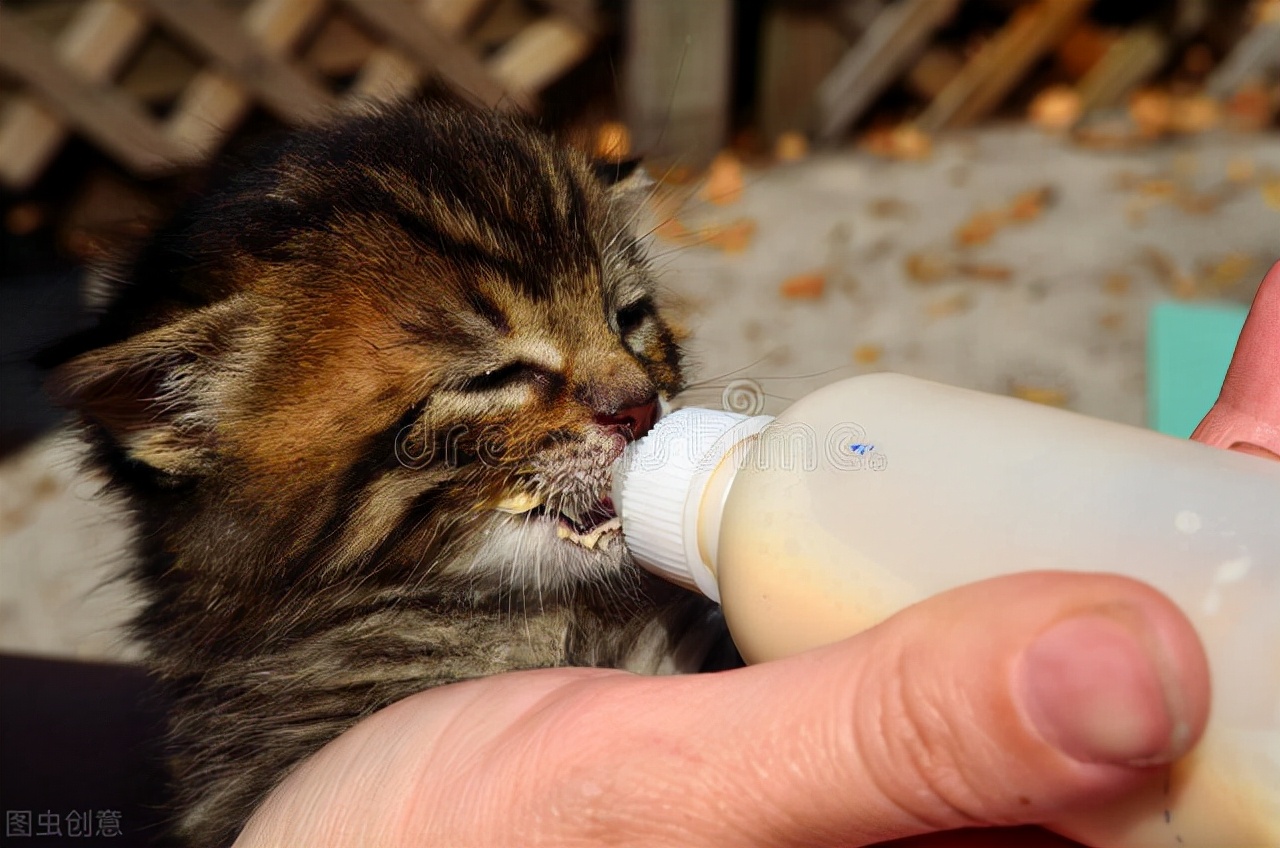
(874, 493)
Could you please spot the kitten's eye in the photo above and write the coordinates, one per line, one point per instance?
(629, 318)
(511, 374)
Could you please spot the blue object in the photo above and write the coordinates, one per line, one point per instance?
(1189, 347)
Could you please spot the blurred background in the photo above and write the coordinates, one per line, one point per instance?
(1070, 202)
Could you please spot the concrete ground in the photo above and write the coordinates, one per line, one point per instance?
(1008, 261)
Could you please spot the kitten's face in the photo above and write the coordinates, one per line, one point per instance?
(413, 343)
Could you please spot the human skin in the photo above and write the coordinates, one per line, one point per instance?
(1011, 719)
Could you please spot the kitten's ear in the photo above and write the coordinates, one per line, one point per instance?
(156, 393)
(627, 184)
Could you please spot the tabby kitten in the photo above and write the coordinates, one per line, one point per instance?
(363, 402)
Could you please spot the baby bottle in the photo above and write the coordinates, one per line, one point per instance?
(879, 491)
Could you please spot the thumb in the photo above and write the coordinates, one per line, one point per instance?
(1011, 701)
(1005, 702)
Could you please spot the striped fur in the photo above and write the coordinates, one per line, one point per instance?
(315, 386)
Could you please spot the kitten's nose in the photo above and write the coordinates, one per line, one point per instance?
(633, 421)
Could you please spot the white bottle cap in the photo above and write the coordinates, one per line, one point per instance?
(658, 485)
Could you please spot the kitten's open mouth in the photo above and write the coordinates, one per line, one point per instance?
(589, 528)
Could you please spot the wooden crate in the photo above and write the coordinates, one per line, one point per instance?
(162, 84)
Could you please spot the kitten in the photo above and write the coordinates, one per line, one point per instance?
(363, 402)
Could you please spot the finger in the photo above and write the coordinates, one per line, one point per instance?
(1246, 416)
(1005, 702)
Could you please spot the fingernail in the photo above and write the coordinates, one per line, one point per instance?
(1095, 690)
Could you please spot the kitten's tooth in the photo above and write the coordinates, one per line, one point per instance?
(590, 540)
(518, 503)
(572, 513)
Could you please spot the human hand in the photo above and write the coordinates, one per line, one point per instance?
(1012, 701)
(893, 733)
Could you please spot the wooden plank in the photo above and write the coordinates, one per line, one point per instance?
(855, 17)
(215, 103)
(933, 71)
(895, 39)
(434, 51)
(340, 48)
(454, 17)
(799, 48)
(993, 72)
(1136, 57)
(291, 94)
(95, 44)
(540, 54)
(109, 119)
(676, 79)
(1253, 57)
(389, 74)
(580, 14)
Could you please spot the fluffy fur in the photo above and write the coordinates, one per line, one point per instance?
(319, 386)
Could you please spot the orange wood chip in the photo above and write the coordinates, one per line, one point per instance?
(987, 272)
(1117, 284)
(1031, 204)
(676, 175)
(949, 305)
(808, 286)
(1160, 188)
(1198, 203)
(1250, 108)
(1196, 114)
(1135, 212)
(927, 267)
(1179, 283)
(905, 141)
(613, 141)
(889, 207)
(734, 237)
(981, 228)
(724, 180)
(672, 230)
(791, 146)
(867, 354)
(1152, 112)
(1229, 271)
(1111, 320)
(1241, 169)
(1056, 109)
(1271, 192)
